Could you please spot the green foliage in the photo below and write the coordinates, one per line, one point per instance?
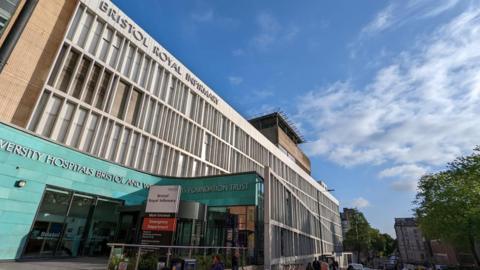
(362, 238)
(358, 238)
(448, 203)
(148, 262)
(390, 244)
(203, 262)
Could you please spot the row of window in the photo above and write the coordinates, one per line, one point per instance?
(289, 211)
(67, 122)
(134, 88)
(292, 244)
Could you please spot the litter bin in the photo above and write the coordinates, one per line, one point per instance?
(189, 264)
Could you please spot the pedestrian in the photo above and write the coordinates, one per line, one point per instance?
(235, 259)
(316, 264)
(217, 263)
(309, 266)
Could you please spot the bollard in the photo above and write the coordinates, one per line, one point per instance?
(110, 257)
(138, 258)
(169, 252)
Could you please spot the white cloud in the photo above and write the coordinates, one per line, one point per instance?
(405, 176)
(396, 14)
(418, 112)
(360, 203)
(407, 170)
(270, 31)
(204, 16)
(235, 80)
(381, 21)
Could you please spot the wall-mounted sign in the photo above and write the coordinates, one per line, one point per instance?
(163, 199)
(122, 22)
(159, 224)
(26, 152)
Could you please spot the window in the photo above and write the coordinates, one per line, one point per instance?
(100, 135)
(92, 82)
(122, 152)
(50, 115)
(113, 145)
(105, 43)
(80, 77)
(106, 138)
(102, 90)
(65, 121)
(133, 150)
(134, 107)
(117, 42)
(84, 27)
(145, 68)
(136, 65)
(120, 100)
(75, 22)
(67, 71)
(128, 61)
(7, 8)
(78, 127)
(141, 152)
(57, 66)
(95, 37)
(39, 111)
(90, 132)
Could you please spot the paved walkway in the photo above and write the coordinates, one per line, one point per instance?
(83, 263)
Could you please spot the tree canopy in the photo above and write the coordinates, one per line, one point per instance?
(448, 203)
(363, 239)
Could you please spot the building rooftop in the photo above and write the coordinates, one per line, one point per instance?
(406, 221)
(280, 119)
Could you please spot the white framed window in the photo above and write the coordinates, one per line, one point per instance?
(90, 132)
(64, 121)
(77, 127)
(50, 116)
(85, 23)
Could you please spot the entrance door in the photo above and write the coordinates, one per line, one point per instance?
(128, 231)
(100, 230)
(72, 224)
(74, 228)
(47, 229)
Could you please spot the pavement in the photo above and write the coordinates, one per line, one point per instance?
(82, 263)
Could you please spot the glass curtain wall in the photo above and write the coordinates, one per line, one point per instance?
(72, 224)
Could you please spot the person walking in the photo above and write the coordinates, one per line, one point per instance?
(309, 266)
(235, 260)
(217, 263)
(316, 264)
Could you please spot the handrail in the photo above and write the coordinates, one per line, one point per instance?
(162, 246)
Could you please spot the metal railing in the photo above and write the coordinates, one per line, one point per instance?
(158, 257)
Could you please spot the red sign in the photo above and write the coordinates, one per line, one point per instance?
(159, 224)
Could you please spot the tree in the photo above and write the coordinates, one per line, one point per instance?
(390, 244)
(448, 203)
(378, 242)
(358, 237)
(365, 240)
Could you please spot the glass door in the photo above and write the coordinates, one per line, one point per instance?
(47, 228)
(72, 224)
(74, 234)
(102, 228)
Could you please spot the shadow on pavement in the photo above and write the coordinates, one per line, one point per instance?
(82, 263)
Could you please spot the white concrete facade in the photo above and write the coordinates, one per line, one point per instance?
(116, 93)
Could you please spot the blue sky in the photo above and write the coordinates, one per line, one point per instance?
(384, 91)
